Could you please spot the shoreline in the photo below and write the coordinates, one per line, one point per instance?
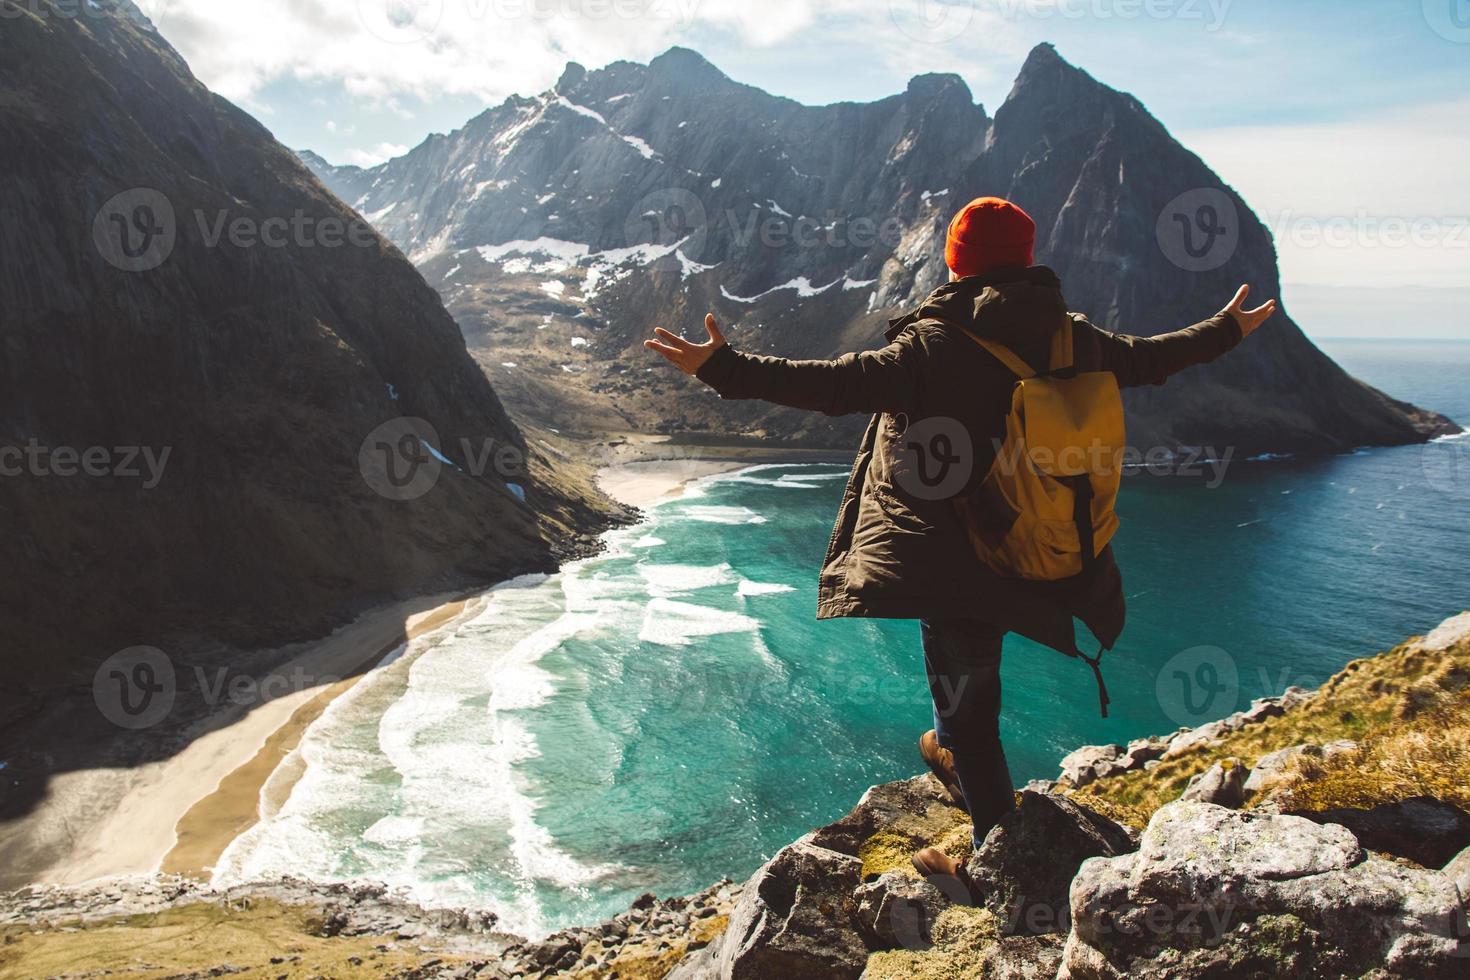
(179, 815)
(642, 470)
(213, 823)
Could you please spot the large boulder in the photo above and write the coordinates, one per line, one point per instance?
(1022, 958)
(899, 910)
(1423, 829)
(1023, 870)
(1458, 871)
(1091, 763)
(917, 808)
(1213, 892)
(1273, 766)
(1223, 784)
(796, 919)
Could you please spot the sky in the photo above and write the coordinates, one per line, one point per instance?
(1345, 125)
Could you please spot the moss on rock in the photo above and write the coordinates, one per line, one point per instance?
(962, 938)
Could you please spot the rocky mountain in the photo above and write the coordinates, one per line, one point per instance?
(560, 228)
(229, 410)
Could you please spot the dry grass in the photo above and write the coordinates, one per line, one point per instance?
(264, 938)
(962, 937)
(1427, 755)
(1408, 710)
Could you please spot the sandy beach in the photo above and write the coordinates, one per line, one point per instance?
(180, 813)
(644, 469)
(638, 484)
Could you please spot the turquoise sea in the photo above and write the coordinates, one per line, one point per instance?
(670, 712)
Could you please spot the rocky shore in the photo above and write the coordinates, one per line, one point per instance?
(1317, 834)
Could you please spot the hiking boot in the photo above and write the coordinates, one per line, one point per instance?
(941, 764)
(945, 873)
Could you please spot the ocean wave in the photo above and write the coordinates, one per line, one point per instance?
(426, 753)
(749, 588)
(671, 580)
(671, 623)
(721, 514)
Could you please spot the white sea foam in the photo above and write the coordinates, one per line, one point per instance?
(671, 623)
(719, 514)
(672, 580)
(749, 588)
(448, 730)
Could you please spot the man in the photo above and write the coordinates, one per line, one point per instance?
(899, 552)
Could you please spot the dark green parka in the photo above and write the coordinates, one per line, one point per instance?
(895, 554)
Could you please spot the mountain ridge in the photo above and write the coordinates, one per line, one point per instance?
(676, 201)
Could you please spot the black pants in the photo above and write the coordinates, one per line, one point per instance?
(962, 659)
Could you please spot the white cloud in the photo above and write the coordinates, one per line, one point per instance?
(376, 155)
(387, 50)
(1380, 200)
(384, 49)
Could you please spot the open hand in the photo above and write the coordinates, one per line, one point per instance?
(1249, 320)
(685, 356)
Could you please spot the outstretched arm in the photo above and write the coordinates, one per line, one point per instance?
(1152, 360)
(870, 382)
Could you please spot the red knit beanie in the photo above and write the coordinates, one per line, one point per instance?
(989, 233)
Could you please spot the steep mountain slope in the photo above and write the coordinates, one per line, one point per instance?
(561, 228)
(195, 375)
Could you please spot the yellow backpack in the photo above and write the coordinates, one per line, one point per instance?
(1045, 510)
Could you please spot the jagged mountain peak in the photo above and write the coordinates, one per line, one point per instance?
(1042, 56)
(679, 59)
(571, 77)
(933, 85)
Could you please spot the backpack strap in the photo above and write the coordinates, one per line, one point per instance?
(1005, 355)
(1062, 358)
(1102, 689)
